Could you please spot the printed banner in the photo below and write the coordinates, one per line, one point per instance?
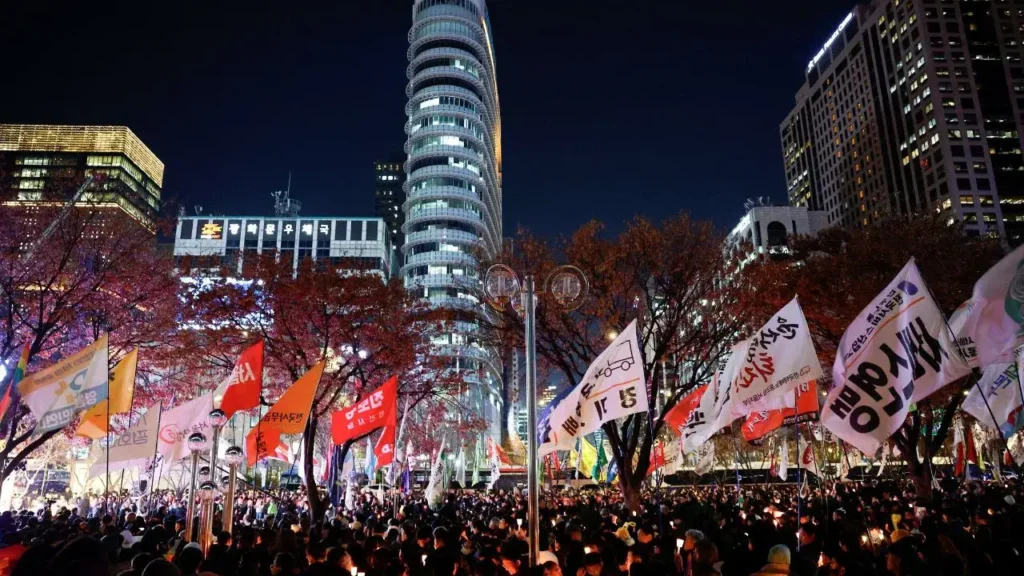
(679, 416)
(612, 387)
(122, 386)
(367, 415)
(241, 389)
(999, 384)
(777, 359)
(995, 323)
(180, 422)
(760, 424)
(288, 415)
(129, 449)
(56, 394)
(961, 327)
(715, 409)
(897, 352)
(705, 459)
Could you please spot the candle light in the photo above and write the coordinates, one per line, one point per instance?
(354, 571)
(424, 559)
(679, 543)
(519, 521)
(586, 549)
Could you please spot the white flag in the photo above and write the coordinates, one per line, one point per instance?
(783, 470)
(460, 467)
(612, 387)
(180, 422)
(998, 315)
(844, 465)
(885, 458)
(56, 394)
(897, 351)
(133, 448)
(705, 459)
(805, 451)
(774, 361)
(998, 384)
(714, 411)
(435, 491)
(960, 324)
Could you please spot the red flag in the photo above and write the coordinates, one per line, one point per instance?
(241, 390)
(657, 458)
(760, 424)
(367, 415)
(264, 442)
(680, 413)
(384, 450)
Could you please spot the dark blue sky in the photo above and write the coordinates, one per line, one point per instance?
(610, 107)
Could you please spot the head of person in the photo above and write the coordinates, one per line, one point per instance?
(440, 537)
(808, 534)
(705, 553)
(551, 568)
(511, 561)
(779, 556)
(593, 564)
(691, 538)
(283, 565)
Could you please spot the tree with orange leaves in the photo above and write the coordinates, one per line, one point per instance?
(365, 328)
(667, 276)
(838, 271)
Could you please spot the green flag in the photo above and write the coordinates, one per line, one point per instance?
(596, 473)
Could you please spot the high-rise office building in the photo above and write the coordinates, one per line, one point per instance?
(453, 177)
(913, 107)
(43, 165)
(389, 176)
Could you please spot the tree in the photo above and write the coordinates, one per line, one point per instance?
(365, 328)
(669, 277)
(838, 272)
(97, 271)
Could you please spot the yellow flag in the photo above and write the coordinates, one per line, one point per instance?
(122, 385)
(588, 457)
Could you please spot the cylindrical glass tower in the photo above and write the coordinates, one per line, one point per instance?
(453, 183)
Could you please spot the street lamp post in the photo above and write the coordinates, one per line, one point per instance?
(568, 286)
(233, 456)
(207, 494)
(196, 444)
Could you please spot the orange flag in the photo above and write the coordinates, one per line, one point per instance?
(289, 414)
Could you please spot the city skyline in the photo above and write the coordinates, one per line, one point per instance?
(251, 101)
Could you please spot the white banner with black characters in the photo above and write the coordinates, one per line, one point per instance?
(775, 360)
(612, 387)
(897, 351)
(705, 459)
(959, 324)
(132, 448)
(715, 409)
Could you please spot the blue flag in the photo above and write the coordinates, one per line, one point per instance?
(371, 460)
(335, 483)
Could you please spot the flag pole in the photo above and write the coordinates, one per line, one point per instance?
(156, 450)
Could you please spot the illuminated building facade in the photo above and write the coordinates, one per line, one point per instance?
(389, 176)
(914, 107)
(349, 243)
(44, 165)
(453, 178)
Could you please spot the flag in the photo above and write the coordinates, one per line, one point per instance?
(613, 472)
(612, 387)
(705, 459)
(384, 449)
(495, 460)
(716, 404)
(806, 460)
(56, 394)
(596, 473)
(119, 400)
(588, 458)
(960, 324)
(775, 360)
(844, 464)
(679, 416)
(371, 461)
(885, 458)
(998, 314)
(783, 470)
(10, 396)
(133, 448)
(460, 467)
(476, 463)
(407, 469)
(180, 422)
(959, 463)
(291, 411)
(897, 352)
(335, 486)
(241, 389)
(998, 384)
(657, 458)
(264, 442)
(435, 490)
(366, 415)
(544, 418)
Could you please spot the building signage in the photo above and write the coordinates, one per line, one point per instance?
(828, 43)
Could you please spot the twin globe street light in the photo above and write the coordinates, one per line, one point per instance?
(568, 287)
(208, 489)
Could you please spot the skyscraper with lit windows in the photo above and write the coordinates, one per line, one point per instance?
(453, 177)
(910, 108)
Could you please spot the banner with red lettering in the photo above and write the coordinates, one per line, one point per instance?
(367, 415)
(897, 352)
(760, 424)
(241, 389)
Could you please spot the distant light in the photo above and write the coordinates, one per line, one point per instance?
(3, 372)
(612, 335)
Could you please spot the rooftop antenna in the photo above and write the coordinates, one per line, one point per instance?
(284, 205)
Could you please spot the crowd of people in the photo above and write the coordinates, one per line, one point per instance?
(876, 527)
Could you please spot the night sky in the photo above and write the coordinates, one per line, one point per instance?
(610, 107)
